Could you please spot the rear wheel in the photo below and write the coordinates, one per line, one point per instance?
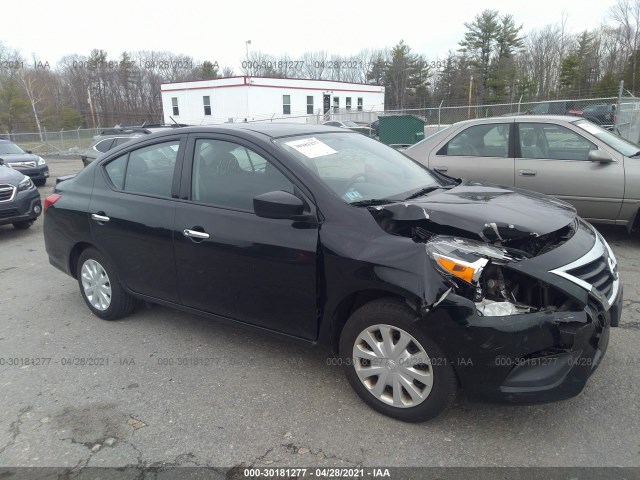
(23, 225)
(393, 366)
(100, 287)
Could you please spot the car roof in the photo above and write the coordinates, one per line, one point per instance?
(271, 130)
(524, 117)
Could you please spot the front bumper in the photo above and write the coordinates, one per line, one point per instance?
(532, 357)
(24, 207)
(36, 174)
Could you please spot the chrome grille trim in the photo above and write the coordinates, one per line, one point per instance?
(600, 249)
(29, 164)
(4, 190)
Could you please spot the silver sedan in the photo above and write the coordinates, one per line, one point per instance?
(567, 157)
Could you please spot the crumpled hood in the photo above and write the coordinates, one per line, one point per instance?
(10, 176)
(484, 211)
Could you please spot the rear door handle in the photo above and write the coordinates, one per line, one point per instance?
(528, 173)
(99, 218)
(441, 169)
(195, 234)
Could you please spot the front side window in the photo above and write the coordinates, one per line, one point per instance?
(357, 168)
(206, 102)
(147, 170)
(490, 140)
(310, 104)
(229, 175)
(174, 105)
(286, 104)
(555, 142)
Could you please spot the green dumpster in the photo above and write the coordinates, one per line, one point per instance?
(401, 129)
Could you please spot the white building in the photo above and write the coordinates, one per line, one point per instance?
(234, 99)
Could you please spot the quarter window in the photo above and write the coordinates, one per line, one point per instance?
(147, 170)
(555, 142)
(310, 105)
(206, 102)
(174, 105)
(286, 104)
(229, 175)
(104, 145)
(490, 140)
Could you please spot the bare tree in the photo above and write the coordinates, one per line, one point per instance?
(626, 14)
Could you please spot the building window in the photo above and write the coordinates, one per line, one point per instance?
(336, 104)
(174, 104)
(359, 104)
(347, 103)
(310, 104)
(286, 104)
(206, 102)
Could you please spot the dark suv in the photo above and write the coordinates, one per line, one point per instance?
(19, 198)
(603, 114)
(560, 107)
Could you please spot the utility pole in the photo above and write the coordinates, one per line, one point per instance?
(469, 104)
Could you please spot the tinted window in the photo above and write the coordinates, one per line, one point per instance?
(226, 174)
(119, 141)
(115, 170)
(146, 170)
(548, 140)
(480, 141)
(104, 145)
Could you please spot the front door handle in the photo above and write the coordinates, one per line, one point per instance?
(195, 234)
(528, 173)
(99, 218)
(441, 169)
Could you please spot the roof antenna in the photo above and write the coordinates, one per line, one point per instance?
(174, 120)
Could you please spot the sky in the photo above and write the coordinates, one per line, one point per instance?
(218, 30)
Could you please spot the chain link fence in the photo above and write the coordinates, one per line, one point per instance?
(393, 127)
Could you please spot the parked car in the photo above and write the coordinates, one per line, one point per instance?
(365, 130)
(27, 163)
(109, 138)
(421, 282)
(567, 157)
(603, 114)
(103, 145)
(556, 107)
(19, 198)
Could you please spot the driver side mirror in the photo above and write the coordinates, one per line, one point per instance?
(599, 156)
(278, 204)
(29, 151)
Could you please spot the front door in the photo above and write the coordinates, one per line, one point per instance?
(231, 262)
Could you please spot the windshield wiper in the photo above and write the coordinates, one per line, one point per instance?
(372, 201)
(424, 191)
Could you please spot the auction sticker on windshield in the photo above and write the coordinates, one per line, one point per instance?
(311, 147)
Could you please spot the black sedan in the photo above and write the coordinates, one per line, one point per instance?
(422, 283)
(19, 199)
(34, 166)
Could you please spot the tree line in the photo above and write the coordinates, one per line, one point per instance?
(496, 61)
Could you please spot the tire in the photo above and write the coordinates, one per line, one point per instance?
(40, 183)
(420, 357)
(100, 287)
(23, 225)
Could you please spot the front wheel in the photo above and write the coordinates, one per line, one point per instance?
(23, 225)
(393, 366)
(100, 287)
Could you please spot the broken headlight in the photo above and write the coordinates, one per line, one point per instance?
(479, 266)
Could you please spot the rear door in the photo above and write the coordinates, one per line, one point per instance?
(132, 214)
(256, 270)
(553, 159)
(479, 152)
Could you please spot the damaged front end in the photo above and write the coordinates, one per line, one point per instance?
(535, 307)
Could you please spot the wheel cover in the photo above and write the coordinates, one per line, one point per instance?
(393, 366)
(96, 284)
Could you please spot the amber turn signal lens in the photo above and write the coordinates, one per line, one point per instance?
(464, 272)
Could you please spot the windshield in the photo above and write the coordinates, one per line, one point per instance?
(10, 149)
(619, 144)
(358, 168)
